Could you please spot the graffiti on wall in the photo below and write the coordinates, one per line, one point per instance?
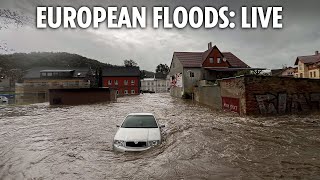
(231, 104)
(176, 80)
(283, 103)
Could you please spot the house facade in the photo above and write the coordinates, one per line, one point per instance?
(285, 72)
(187, 68)
(37, 82)
(125, 80)
(158, 84)
(308, 66)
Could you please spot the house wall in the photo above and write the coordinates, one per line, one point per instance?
(314, 73)
(36, 90)
(302, 70)
(208, 95)
(215, 54)
(155, 85)
(175, 68)
(190, 82)
(121, 86)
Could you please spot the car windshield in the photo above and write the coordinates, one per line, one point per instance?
(139, 121)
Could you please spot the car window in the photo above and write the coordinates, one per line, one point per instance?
(139, 121)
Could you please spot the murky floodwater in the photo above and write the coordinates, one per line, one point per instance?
(75, 142)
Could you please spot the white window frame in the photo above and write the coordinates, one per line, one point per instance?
(125, 82)
(109, 82)
(115, 82)
(211, 60)
(132, 82)
(125, 91)
(219, 60)
(133, 91)
(117, 92)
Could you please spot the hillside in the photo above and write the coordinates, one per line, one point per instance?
(26, 61)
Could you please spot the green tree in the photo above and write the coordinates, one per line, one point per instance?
(162, 68)
(130, 63)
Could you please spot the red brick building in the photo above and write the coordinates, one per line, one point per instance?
(125, 80)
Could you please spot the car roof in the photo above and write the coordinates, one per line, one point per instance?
(141, 114)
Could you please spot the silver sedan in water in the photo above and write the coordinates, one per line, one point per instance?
(138, 132)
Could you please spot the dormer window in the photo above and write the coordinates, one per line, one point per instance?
(218, 60)
(211, 60)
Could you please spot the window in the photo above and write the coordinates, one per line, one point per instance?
(219, 60)
(139, 121)
(211, 60)
(300, 67)
(116, 82)
(314, 74)
(152, 84)
(191, 74)
(49, 74)
(148, 84)
(310, 74)
(132, 91)
(301, 75)
(125, 82)
(109, 82)
(117, 92)
(132, 82)
(125, 91)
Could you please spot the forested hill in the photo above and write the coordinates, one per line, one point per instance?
(26, 61)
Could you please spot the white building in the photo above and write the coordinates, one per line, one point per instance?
(156, 85)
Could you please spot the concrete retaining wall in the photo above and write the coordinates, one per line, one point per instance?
(208, 95)
(176, 91)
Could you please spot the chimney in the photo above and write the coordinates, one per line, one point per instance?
(317, 52)
(209, 45)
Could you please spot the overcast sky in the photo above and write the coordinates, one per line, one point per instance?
(149, 47)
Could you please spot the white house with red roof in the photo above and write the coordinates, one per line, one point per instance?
(187, 68)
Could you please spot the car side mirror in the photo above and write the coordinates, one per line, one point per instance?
(118, 125)
(162, 126)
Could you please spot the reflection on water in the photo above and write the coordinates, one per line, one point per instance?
(73, 142)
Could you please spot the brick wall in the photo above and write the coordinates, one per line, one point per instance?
(281, 95)
(233, 95)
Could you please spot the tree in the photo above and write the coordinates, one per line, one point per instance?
(130, 63)
(162, 68)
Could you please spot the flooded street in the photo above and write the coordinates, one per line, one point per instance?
(75, 142)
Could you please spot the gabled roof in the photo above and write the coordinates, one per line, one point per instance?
(121, 72)
(189, 59)
(308, 59)
(195, 59)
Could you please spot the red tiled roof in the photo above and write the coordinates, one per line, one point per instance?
(195, 59)
(233, 60)
(308, 59)
(189, 59)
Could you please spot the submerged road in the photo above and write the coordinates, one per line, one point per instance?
(75, 142)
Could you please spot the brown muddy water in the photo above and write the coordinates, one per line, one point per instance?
(75, 142)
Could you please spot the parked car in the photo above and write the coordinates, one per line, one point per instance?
(3, 99)
(138, 132)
